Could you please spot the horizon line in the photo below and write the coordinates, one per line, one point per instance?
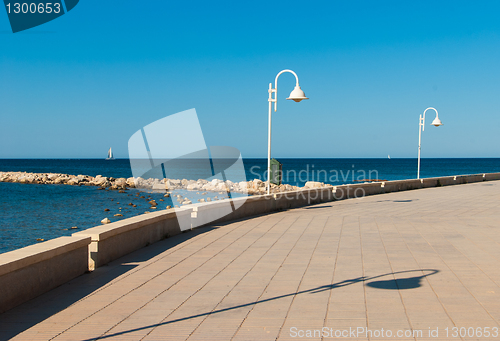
(255, 158)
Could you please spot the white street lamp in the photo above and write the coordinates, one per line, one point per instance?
(296, 95)
(421, 127)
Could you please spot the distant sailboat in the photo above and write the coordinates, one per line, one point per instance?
(389, 157)
(110, 155)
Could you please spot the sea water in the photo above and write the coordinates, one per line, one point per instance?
(30, 211)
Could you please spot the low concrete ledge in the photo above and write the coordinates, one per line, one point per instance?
(35, 269)
(491, 176)
(205, 213)
(230, 209)
(252, 206)
(227, 210)
(401, 185)
(357, 190)
(114, 240)
(312, 196)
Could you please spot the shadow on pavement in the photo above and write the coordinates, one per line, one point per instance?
(407, 283)
(30, 313)
(401, 283)
(315, 207)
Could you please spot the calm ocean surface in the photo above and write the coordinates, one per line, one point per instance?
(50, 211)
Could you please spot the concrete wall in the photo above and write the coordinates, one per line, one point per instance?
(114, 240)
(208, 213)
(228, 210)
(35, 269)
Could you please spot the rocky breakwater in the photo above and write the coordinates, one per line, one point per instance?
(67, 179)
(254, 187)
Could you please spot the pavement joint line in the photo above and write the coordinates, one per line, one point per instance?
(124, 276)
(256, 226)
(416, 261)
(173, 311)
(239, 281)
(333, 274)
(303, 275)
(175, 248)
(363, 271)
(479, 246)
(233, 229)
(393, 275)
(477, 265)
(267, 285)
(458, 278)
(253, 266)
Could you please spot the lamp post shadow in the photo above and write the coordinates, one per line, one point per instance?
(393, 284)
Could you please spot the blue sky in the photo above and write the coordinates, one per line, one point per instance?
(90, 79)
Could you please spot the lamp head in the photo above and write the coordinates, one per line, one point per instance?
(437, 122)
(297, 94)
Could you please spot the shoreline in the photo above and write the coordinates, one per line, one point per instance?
(254, 187)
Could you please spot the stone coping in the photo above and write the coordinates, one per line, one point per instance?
(204, 206)
(112, 229)
(303, 192)
(29, 255)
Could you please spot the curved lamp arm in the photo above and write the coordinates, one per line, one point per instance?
(281, 72)
(275, 90)
(422, 119)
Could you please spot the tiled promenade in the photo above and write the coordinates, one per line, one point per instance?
(399, 262)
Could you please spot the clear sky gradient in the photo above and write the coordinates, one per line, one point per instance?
(90, 79)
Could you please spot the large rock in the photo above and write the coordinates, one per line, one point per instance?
(100, 180)
(215, 182)
(158, 186)
(73, 182)
(193, 187)
(208, 187)
(140, 183)
(172, 184)
(314, 184)
(131, 182)
(176, 182)
(121, 182)
(52, 177)
(258, 184)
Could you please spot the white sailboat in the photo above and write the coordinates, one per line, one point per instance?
(110, 155)
(389, 157)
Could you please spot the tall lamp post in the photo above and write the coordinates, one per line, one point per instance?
(296, 95)
(421, 127)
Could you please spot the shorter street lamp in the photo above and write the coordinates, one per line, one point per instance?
(421, 127)
(296, 95)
